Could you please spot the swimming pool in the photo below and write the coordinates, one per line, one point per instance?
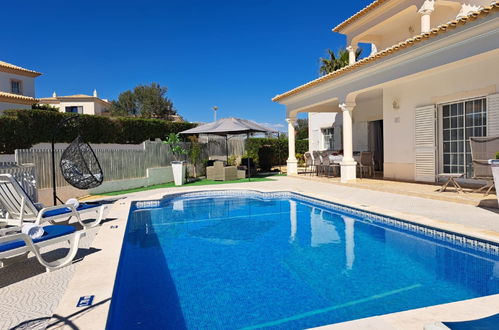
(245, 259)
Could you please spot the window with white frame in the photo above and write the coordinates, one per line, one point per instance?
(328, 138)
(16, 87)
(459, 122)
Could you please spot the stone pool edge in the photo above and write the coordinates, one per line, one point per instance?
(95, 275)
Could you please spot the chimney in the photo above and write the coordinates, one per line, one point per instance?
(95, 93)
(54, 94)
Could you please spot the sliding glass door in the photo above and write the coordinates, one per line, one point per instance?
(458, 122)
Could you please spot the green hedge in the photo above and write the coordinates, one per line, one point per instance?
(21, 129)
(266, 151)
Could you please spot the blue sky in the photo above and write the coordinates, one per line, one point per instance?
(233, 54)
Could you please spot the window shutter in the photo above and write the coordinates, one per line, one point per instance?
(425, 144)
(493, 115)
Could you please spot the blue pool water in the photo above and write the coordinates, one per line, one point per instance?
(231, 262)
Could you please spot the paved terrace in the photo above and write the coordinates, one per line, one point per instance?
(29, 297)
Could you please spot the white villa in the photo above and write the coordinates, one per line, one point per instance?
(80, 103)
(17, 87)
(431, 82)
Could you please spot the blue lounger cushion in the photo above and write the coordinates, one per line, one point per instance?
(50, 233)
(65, 210)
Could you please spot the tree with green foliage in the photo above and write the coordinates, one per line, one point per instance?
(146, 101)
(302, 129)
(336, 61)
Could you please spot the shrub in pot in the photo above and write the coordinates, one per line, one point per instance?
(178, 165)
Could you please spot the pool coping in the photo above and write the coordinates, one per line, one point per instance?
(87, 281)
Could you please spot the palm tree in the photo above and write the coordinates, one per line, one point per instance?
(336, 62)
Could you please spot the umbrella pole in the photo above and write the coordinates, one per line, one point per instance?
(279, 144)
(226, 151)
(248, 159)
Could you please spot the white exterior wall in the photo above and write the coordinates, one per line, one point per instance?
(7, 106)
(28, 89)
(475, 79)
(317, 121)
(100, 109)
(28, 83)
(89, 107)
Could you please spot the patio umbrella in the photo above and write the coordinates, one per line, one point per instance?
(230, 126)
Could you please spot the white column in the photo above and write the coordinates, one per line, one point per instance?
(348, 164)
(351, 54)
(426, 9)
(292, 161)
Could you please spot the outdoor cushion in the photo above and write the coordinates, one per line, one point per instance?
(64, 210)
(50, 232)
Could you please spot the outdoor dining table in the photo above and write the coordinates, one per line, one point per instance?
(338, 158)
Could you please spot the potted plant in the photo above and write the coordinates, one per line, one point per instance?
(178, 165)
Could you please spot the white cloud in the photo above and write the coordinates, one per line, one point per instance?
(278, 127)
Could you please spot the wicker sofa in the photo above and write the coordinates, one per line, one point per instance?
(220, 172)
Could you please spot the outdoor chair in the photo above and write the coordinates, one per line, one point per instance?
(20, 208)
(366, 162)
(317, 162)
(15, 245)
(309, 163)
(219, 172)
(483, 149)
(329, 167)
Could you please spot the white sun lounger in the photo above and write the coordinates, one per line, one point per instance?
(20, 208)
(15, 245)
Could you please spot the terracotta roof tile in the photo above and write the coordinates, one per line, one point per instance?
(13, 67)
(16, 97)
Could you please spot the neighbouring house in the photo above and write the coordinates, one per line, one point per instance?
(430, 83)
(79, 103)
(17, 87)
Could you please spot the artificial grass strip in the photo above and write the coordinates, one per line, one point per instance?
(203, 182)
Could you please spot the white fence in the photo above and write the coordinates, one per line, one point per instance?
(25, 175)
(123, 163)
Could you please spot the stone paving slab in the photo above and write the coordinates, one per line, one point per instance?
(29, 295)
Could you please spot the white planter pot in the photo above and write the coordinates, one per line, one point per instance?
(494, 163)
(179, 169)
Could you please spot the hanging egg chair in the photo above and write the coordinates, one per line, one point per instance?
(79, 165)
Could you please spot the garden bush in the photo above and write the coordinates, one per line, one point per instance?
(21, 129)
(276, 150)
